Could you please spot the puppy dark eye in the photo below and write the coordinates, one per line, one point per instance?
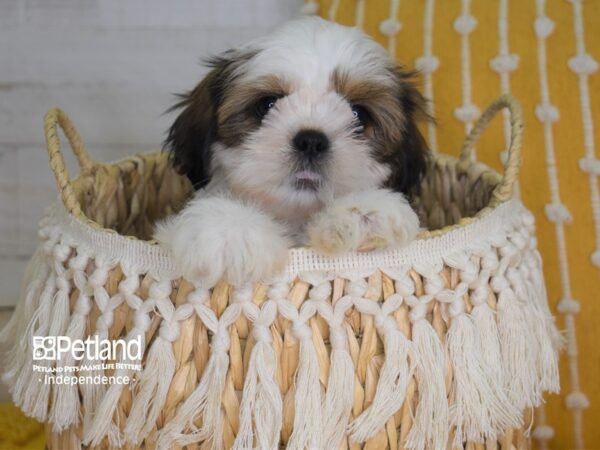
(264, 105)
(361, 115)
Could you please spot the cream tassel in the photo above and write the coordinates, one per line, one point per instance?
(479, 410)
(206, 399)
(396, 372)
(151, 392)
(261, 397)
(531, 272)
(64, 410)
(430, 428)
(103, 423)
(517, 346)
(93, 393)
(339, 396)
(35, 274)
(478, 279)
(17, 333)
(307, 429)
(36, 397)
(546, 358)
(38, 326)
(20, 374)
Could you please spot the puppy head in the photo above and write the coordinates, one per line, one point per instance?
(311, 112)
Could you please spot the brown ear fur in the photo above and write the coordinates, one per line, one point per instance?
(409, 160)
(195, 130)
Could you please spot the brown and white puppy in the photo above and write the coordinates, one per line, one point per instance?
(305, 136)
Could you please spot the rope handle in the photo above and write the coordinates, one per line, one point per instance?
(504, 190)
(52, 120)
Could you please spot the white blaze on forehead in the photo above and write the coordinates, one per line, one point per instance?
(306, 108)
(307, 51)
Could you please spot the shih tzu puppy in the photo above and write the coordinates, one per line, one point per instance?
(307, 136)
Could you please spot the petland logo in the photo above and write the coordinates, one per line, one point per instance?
(55, 348)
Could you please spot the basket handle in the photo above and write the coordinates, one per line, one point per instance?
(503, 191)
(52, 120)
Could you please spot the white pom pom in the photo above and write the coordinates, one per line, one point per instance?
(467, 113)
(465, 24)
(543, 26)
(547, 113)
(583, 64)
(577, 400)
(568, 306)
(390, 27)
(543, 433)
(505, 63)
(558, 213)
(427, 64)
(590, 165)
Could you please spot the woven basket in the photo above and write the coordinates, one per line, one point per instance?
(448, 343)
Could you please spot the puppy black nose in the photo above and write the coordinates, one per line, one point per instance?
(311, 143)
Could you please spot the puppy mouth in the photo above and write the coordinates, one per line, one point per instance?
(307, 180)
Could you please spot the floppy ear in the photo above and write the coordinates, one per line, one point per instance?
(193, 133)
(191, 136)
(409, 160)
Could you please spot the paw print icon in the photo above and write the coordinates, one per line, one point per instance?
(44, 348)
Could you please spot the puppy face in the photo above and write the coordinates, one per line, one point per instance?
(309, 113)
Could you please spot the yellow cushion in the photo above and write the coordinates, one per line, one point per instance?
(576, 189)
(18, 431)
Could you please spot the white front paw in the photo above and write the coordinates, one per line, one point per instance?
(218, 238)
(364, 221)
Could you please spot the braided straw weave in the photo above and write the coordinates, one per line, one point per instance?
(448, 343)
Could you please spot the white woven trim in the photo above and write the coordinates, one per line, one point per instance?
(504, 63)
(584, 65)
(156, 260)
(391, 26)
(464, 25)
(427, 64)
(543, 27)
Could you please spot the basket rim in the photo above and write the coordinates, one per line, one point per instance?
(150, 257)
(473, 169)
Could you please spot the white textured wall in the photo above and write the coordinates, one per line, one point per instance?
(113, 66)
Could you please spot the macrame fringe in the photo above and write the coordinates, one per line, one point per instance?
(92, 394)
(261, 401)
(102, 424)
(430, 427)
(548, 337)
(204, 402)
(487, 329)
(502, 362)
(18, 333)
(36, 273)
(396, 372)
(339, 396)
(308, 422)
(35, 327)
(151, 392)
(479, 411)
(64, 409)
(59, 321)
(518, 344)
(31, 392)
